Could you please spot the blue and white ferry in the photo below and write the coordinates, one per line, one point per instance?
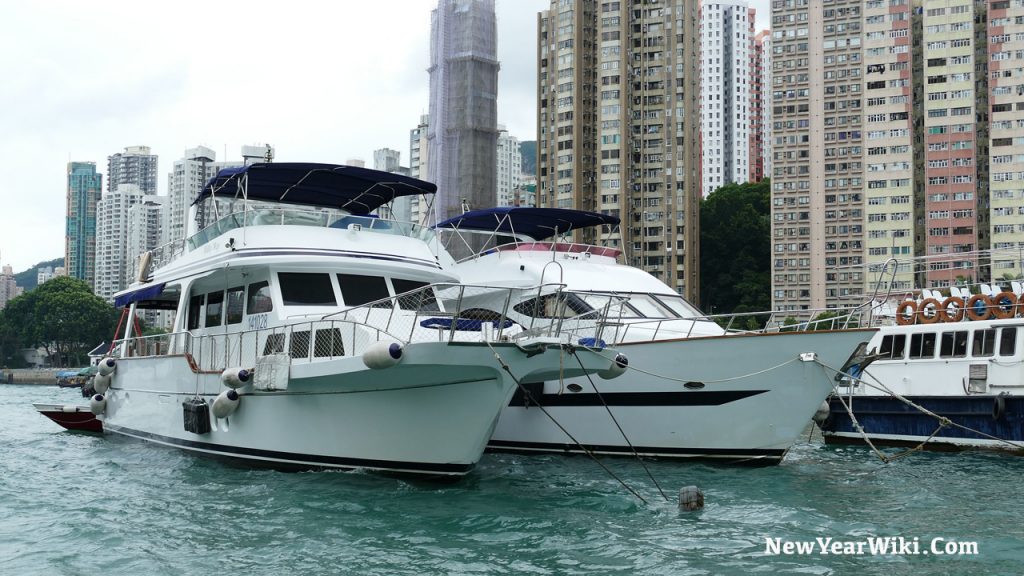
(969, 372)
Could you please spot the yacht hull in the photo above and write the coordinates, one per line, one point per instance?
(735, 398)
(431, 414)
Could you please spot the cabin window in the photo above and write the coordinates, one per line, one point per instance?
(647, 307)
(892, 347)
(553, 306)
(984, 343)
(236, 305)
(328, 343)
(422, 300)
(954, 344)
(301, 289)
(195, 310)
(922, 345)
(214, 307)
(259, 298)
(1008, 341)
(356, 290)
(274, 344)
(298, 345)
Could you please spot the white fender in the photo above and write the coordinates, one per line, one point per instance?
(821, 414)
(107, 366)
(101, 383)
(97, 404)
(617, 367)
(236, 377)
(226, 403)
(382, 354)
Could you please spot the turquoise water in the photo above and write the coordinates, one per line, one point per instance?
(82, 504)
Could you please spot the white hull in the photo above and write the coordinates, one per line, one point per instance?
(430, 414)
(757, 399)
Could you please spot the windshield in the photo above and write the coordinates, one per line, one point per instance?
(630, 305)
(678, 305)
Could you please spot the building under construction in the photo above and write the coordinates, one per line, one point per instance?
(463, 131)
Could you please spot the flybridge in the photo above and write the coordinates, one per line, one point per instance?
(355, 190)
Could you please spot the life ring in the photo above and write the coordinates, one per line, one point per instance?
(979, 307)
(998, 407)
(928, 311)
(958, 309)
(906, 312)
(1004, 305)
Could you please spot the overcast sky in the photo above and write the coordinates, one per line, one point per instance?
(320, 81)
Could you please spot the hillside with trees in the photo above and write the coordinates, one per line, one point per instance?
(735, 249)
(28, 278)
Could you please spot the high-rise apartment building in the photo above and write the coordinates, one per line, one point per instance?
(618, 127)
(9, 289)
(726, 99)
(1005, 57)
(144, 233)
(418, 157)
(817, 155)
(112, 239)
(135, 166)
(462, 133)
(184, 183)
(892, 154)
(941, 122)
(760, 104)
(955, 139)
(509, 168)
(386, 159)
(85, 187)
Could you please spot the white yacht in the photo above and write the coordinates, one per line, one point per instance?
(969, 372)
(691, 388)
(308, 333)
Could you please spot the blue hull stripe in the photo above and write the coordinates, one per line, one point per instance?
(889, 416)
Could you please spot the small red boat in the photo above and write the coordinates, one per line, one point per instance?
(72, 417)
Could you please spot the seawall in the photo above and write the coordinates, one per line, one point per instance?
(29, 376)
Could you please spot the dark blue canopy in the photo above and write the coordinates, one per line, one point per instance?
(357, 190)
(144, 293)
(537, 223)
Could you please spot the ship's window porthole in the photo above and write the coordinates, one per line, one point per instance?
(693, 385)
(574, 387)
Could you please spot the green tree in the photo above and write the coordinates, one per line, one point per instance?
(63, 316)
(735, 253)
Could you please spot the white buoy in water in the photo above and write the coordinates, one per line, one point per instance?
(235, 377)
(226, 403)
(821, 414)
(617, 367)
(691, 498)
(101, 383)
(382, 354)
(107, 366)
(97, 404)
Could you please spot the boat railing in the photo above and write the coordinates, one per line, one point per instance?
(618, 326)
(434, 313)
(287, 217)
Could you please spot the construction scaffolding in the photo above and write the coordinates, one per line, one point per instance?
(462, 135)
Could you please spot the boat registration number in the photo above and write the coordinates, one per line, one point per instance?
(258, 321)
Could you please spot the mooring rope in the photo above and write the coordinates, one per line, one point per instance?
(943, 421)
(684, 381)
(621, 431)
(529, 395)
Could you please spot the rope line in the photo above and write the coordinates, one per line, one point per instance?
(943, 421)
(529, 395)
(683, 380)
(621, 431)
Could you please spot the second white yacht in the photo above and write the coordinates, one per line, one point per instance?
(691, 390)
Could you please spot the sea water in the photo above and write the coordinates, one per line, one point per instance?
(73, 503)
